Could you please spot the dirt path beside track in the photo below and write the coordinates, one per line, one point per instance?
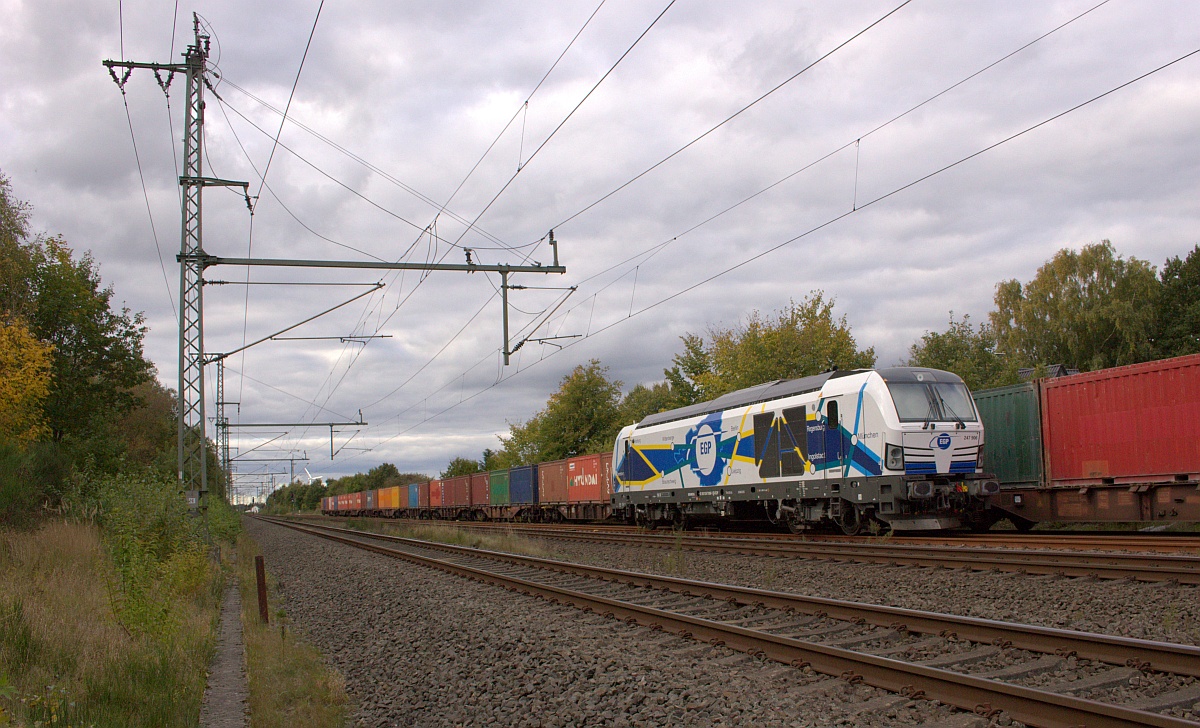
(226, 698)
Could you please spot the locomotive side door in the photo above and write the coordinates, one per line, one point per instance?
(834, 450)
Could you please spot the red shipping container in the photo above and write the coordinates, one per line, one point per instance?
(357, 501)
(1131, 424)
(552, 482)
(588, 480)
(423, 495)
(437, 493)
(479, 489)
(403, 498)
(456, 491)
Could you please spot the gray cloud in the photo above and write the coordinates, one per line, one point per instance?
(420, 91)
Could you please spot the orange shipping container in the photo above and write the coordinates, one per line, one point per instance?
(388, 498)
(479, 489)
(590, 478)
(552, 482)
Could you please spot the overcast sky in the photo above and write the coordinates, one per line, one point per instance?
(397, 102)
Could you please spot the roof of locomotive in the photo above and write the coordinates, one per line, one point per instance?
(751, 395)
(780, 388)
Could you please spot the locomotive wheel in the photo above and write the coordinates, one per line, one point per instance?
(850, 520)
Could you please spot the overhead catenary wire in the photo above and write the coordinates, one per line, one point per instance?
(727, 120)
(648, 253)
(141, 175)
(441, 210)
(810, 231)
(498, 194)
(475, 221)
(734, 115)
(332, 389)
(473, 224)
(571, 113)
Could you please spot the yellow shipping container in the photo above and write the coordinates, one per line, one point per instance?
(389, 498)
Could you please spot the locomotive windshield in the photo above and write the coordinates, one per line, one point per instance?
(932, 401)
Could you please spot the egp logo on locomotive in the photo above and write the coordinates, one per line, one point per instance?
(706, 450)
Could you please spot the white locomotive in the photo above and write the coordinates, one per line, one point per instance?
(897, 447)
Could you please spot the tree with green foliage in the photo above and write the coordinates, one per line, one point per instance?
(148, 430)
(97, 349)
(642, 401)
(686, 376)
(1179, 307)
(969, 353)
(800, 340)
(384, 475)
(523, 446)
(1088, 310)
(489, 459)
(581, 418)
(461, 466)
(297, 496)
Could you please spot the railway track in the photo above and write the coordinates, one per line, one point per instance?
(1152, 567)
(1170, 543)
(975, 664)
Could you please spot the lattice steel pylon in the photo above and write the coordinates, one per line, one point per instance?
(193, 464)
(222, 426)
(191, 438)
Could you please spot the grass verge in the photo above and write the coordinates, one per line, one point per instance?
(507, 541)
(290, 685)
(72, 648)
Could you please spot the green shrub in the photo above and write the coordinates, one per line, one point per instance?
(224, 521)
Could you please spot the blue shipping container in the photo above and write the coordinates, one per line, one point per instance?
(523, 484)
(414, 492)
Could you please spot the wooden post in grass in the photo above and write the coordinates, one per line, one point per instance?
(260, 575)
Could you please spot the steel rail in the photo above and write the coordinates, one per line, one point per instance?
(1171, 543)
(1146, 654)
(1100, 564)
(1028, 705)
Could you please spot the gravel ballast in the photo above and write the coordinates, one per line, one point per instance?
(420, 647)
(1163, 611)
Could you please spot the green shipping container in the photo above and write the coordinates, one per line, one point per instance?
(1012, 434)
(498, 488)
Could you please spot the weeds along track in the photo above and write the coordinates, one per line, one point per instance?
(1152, 567)
(1039, 676)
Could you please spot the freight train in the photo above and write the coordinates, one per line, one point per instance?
(898, 448)
(1120, 444)
(576, 489)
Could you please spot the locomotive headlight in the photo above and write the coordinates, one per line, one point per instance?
(895, 457)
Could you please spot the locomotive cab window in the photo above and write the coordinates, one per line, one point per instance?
(831, 415)
(932, 401)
